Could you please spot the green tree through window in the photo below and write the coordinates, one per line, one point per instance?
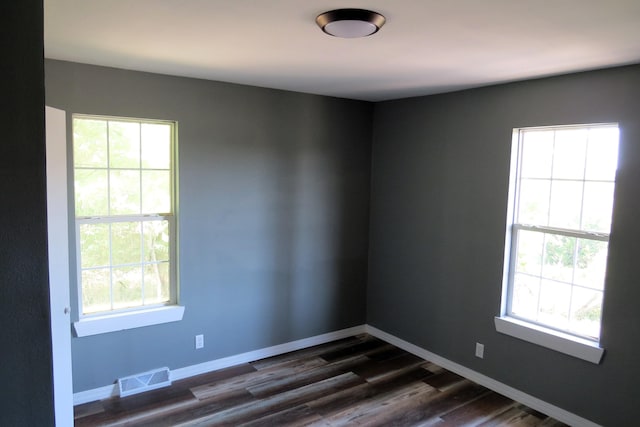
(563, 201)
(124, 178)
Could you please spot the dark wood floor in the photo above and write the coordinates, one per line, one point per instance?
(355, 381)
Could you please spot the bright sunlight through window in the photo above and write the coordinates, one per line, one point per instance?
(124, 207)
(563, 201)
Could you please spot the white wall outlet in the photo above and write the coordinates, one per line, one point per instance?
(199, 341)
(480, 350)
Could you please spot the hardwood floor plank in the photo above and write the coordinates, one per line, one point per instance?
(301, 378)
(515, 416)
(444, 379)
(365, 347)
(443, 402)
(148, 400)
(388, 353)
(432, 422)
(155, 403)
(261, 407)
(87, 409)
(333, 403)
(113, 419)
(378, 370)
(298, 416)
(253, 379)
(314, 351)
(477, 411)
(214, 376)
(381, 408)
(200, 409)
(512, 417)
(355, 381)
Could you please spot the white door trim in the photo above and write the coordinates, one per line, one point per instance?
(58, 245)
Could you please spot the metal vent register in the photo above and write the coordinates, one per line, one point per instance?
(145, 381)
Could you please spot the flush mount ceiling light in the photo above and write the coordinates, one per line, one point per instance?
(350, 23)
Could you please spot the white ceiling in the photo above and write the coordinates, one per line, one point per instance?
(425, 47)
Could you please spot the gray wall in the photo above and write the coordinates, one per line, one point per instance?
(273, 215)
(438, 214)
(26, 397)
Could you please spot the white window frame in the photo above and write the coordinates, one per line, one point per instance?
(146, 315)
(571, 344)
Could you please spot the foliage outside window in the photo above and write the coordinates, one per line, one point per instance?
(124, 207)
(564, 186)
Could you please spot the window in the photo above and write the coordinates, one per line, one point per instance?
(559, 222)
(124, 186)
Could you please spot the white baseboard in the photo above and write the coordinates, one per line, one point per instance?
(510, 392)
(226, 362)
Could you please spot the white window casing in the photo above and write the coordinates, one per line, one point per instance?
(554, 278)
(146, 302)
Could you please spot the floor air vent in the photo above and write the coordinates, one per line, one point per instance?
(144, 382)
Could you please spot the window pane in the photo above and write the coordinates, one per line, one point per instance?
(126, 243)
(156, 283)
(598, 205)
(127, 287)
(89, 143)
(555, 298)
(591, 264)
(96, 290)
(566, 203)
(569, 153)
(156, 146)
(156, 241)
(586, 310)
(565, 180)
(156, 191)
(534, 202)
(558, 257)
(124, 145)
(123, 168)
(537, 154)
(526, 290)
(94, 245)
(529, 255)
(602, 154)
(91, 192)
(125, 192)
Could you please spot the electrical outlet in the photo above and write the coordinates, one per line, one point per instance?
(480, 350)
(199, 341)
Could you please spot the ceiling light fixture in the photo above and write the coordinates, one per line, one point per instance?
(350, 23)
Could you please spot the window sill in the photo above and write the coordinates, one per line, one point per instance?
(554, 340)
(121, 321)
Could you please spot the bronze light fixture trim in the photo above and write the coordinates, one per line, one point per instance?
(350, 23)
